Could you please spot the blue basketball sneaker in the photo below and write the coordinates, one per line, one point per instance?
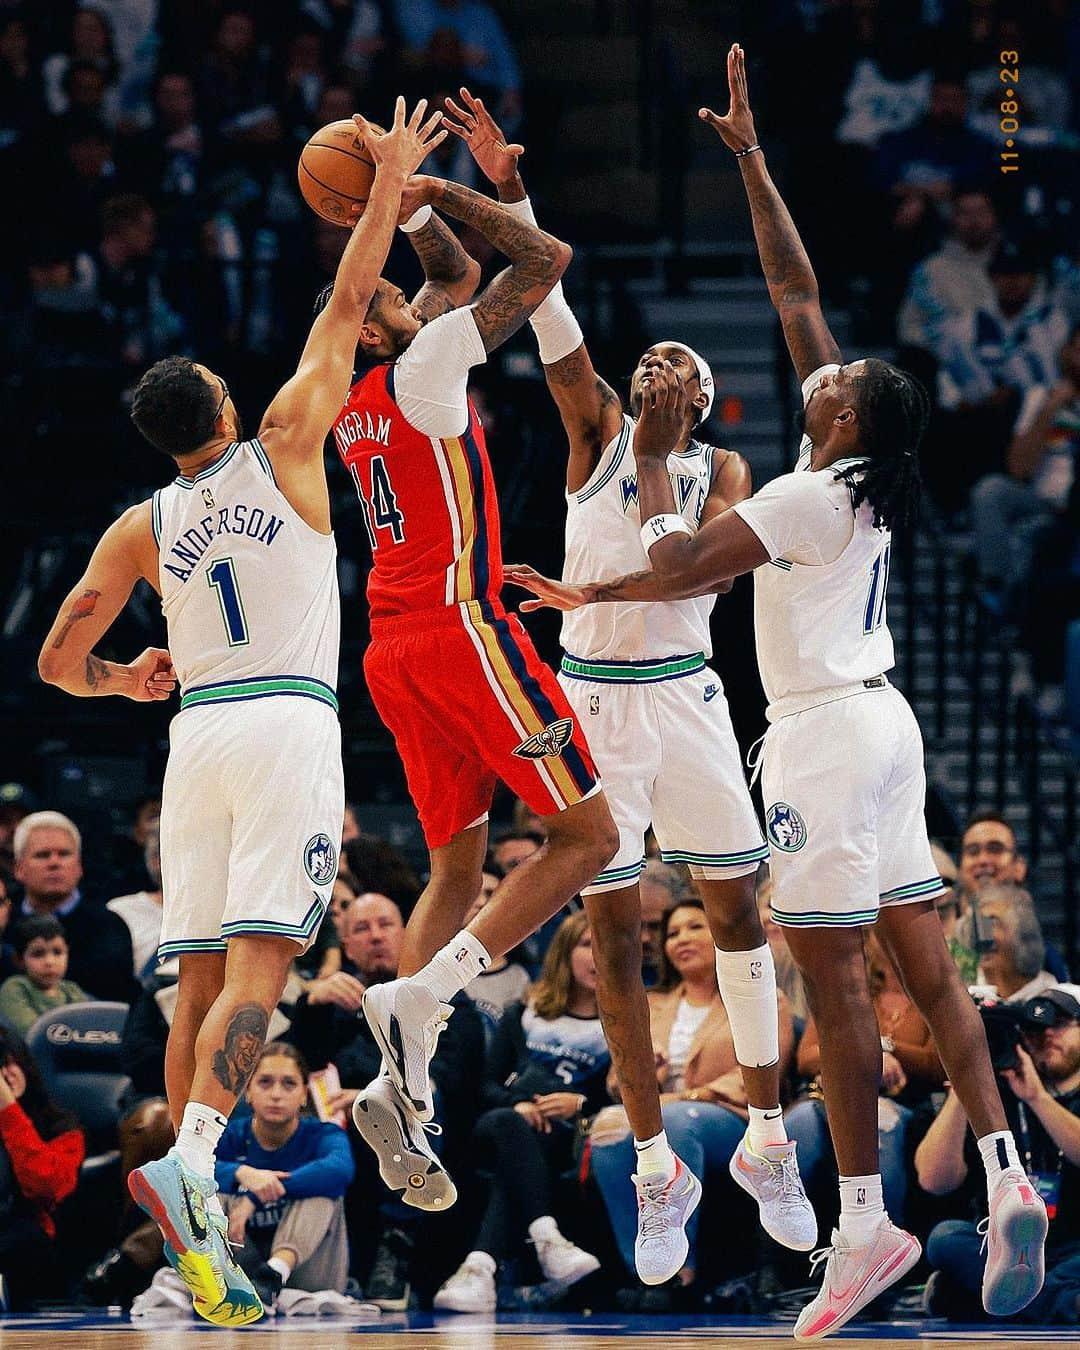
(177, 1199)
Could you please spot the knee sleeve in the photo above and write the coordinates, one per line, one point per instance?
(748, 987)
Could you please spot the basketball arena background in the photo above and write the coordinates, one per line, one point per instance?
(148, 151)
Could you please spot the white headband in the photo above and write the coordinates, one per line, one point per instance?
(705, 375)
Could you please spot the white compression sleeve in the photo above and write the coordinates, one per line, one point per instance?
(558, 332)
(748, 987)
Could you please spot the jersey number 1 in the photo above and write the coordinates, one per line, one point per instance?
(874, 614)
(222, 577)
(381, 512)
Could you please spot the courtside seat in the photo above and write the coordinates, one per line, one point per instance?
(78, 1050)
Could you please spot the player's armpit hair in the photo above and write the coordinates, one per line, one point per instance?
(893, 409)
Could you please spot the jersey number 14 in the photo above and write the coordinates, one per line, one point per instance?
(380, 506)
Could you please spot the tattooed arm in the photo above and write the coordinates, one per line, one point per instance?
(537, 260)
(125, 554)
(450, 275)
(793, 287)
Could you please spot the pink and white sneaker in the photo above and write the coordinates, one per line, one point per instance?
(1015, 1233)
(854, 1277)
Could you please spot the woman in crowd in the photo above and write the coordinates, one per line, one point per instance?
(546, 1071)
(911, 1071)
(283, 1175)
(702, 1099)
(41, 1151)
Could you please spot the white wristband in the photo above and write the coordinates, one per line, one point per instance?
(659, 527)
(522, 209)
(416, 221)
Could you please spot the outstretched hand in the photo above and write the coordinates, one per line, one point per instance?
(736, 128)
(662, 419)
(560, 595)
(408, 143)
(474, 125)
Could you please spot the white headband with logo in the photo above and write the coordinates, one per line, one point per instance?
(705, 375)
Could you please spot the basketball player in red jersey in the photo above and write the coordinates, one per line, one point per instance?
(455, 679)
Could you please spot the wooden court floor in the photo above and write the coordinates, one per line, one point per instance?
(600, 1332)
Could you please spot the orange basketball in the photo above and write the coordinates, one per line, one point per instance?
(336, 171)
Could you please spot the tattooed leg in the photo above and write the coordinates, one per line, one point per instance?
(233, 1032)
(615, 922)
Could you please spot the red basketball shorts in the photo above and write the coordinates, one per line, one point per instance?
(468, 702)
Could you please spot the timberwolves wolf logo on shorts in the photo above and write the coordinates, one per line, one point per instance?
(551, 741)
(320, 859)
(786, 827)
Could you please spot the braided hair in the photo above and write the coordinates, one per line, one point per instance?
(893, 409)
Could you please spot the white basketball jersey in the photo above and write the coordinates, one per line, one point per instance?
(603, 541)
(817, 625)
(249, 590)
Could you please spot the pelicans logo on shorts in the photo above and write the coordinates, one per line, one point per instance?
(551, 741)
(320, 859)
(786, 828)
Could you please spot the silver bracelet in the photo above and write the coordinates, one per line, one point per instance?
(741, 154)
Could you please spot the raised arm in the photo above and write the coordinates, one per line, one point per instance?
(297, 421)
(537, 259)
(451, 276)
(126, 553)
(590, 409)
(793, 287)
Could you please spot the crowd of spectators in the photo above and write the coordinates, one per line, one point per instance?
(532, 1129)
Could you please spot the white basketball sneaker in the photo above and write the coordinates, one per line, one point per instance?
(854, 1276)
(405, 1019)
(407, 1163)
(559, 1259)
(471, 1288)
(664, 1208)
(772, 1178)
(1015, 1233)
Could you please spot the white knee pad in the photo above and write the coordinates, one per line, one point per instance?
(748, 987)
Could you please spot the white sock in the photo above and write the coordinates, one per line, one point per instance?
(197, 1141)
(862, 1208)
(450, 970)
(747, 983)
(998, 1152)
(282, 1267)
(544, 1229)
(654, 1156)
(765, 1128)
(483, 1259)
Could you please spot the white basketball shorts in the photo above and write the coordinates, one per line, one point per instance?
(251, 818)
(667, 755)
(844, 789)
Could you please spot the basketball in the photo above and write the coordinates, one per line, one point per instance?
(336, 171)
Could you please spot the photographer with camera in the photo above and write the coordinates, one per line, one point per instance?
(1035, 1049)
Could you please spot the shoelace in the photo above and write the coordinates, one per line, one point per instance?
(983, 1230)
(817, 1257)
(653, 1209)
(786, 1174)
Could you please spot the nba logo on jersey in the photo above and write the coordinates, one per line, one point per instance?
(786, 827)
(320, 859)
(552, 740)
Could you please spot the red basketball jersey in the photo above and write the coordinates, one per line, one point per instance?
(429, 504)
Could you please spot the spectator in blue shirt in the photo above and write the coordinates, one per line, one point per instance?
(487, 58)
(284, 1175)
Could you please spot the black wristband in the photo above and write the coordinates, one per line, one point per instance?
(741, 154)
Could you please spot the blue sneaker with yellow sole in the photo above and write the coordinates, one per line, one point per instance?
(178, 1201)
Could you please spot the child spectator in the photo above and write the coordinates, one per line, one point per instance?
(41, 953)
(41, 1151)
(284, 1176)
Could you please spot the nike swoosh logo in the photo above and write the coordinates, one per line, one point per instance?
(711, 693)
(196, 1227)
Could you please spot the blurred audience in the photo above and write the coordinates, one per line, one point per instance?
(142, 911)
(41, 954)
(41, 1151)
(546, 1072)
(1013, 952)
(504, 981)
